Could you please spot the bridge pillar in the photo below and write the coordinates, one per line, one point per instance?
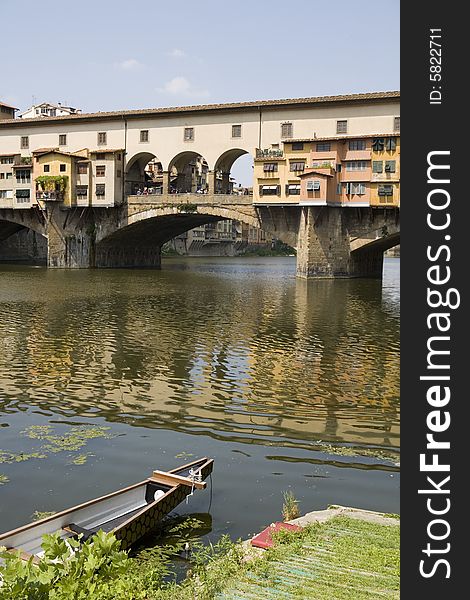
(165, 182)
(323, 243)
(211, 177)
(324, 247)
(68, 248)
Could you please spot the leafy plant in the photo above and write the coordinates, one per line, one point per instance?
(290, 506)
(69, 570)
(187, 208)
(52, 183)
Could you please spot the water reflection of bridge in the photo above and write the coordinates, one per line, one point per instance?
(180, 357)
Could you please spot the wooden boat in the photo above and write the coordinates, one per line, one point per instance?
(129, 513)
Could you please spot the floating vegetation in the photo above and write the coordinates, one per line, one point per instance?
(389, 455)
(184, 455)
(71, 441)
(42, 514)
(8, 458)
(3, 479)
(80, 459)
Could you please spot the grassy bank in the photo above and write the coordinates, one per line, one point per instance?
(340, 559)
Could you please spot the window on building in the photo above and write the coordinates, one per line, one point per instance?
(144, 135)
(100, 189)
(100, 170)
(236, 131)
(287, 130)
(8, 175)
(339, 166)
(24, 143)
(396, 124)
(353, 188)
(323, 147)
(63, 139)
(82, 190)
(2, 175)
(23, 195)
(189, 134)
(341, 127)
(269, 167)
(101, 156)
(390, 143)
(339, 188)
(297, 146)
(297, 165)
(390, 166)
(6, 193)
(6, 160)
(357, 144)
(102, 138)
(82, 169)
(63, 168)
(269, 190)
(378, 144)
(356, 165)
(293, 189)
(118, 173)
(119, 157)
(46, 168)
(23, 176)
(377, 166)
(313, 185)
(385, 190)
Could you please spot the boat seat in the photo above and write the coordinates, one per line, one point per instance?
(74, 528)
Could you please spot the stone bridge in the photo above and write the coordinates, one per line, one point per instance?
(331, 241)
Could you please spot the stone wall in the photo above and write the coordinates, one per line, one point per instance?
(26, 245)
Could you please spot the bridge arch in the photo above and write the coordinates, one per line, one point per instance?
(223, 169)
(143, 169)
(188, 172)
(136, 242)
(22, 237)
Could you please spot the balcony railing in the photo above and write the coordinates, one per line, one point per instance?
(53, 196)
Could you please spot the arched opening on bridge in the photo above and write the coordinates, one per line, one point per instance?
(139, 243)
(234, 172)
(144, 175)
(188, 172)
(19, 243)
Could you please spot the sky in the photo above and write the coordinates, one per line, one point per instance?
(113, 55)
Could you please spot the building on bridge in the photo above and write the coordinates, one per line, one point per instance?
(121, 184)
(347, 171)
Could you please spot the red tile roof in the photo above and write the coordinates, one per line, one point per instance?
(315, 100)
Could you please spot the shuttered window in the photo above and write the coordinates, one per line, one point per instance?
(269, 167)
(286, 130)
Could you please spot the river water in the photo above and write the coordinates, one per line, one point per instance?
(288, 384)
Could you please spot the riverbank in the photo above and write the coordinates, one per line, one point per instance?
(340, 553)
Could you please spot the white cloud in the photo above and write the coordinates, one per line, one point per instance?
(130, 64)
(177, 53)
(180, 86)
